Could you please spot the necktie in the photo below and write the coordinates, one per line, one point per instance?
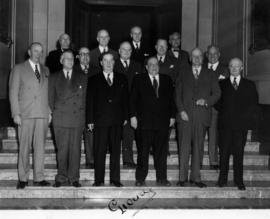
(126, 64)
(160, 60)
(137, 46)
(176, 50)
(155, 86)
(210, 67)
(235, 85)
(109, 81)
(85, 69)
(37, 73)
(68, 76)
(196, 73)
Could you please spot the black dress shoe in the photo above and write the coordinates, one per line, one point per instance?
(181, 183)
(89, 166)
(198, 184)
(241, 186)
(214, 167)
(221, 184)
(163, 182)
(98, 184)
(57, 184)
(116, 184)
(140, 183)
(76, 184)
(41, 183)
(21, 184)
(127, 165)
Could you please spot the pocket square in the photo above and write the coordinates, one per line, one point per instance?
(80, 86)
(221, 77)
(171, 66)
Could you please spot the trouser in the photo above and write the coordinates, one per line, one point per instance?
(89, 146)
(68, 144)
(32, 131)
(157, 139)
(127, 143)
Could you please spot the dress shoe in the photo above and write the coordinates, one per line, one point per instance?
(163, 182)
(140, 183)
(116, 184)
(89, 166)
(76, 184)
(221, 184)
(241, 186)
(21, 184)
(214, 167)
(98, 184)
(127, 165)
(181, 183)
(41, 183)
(198, 184)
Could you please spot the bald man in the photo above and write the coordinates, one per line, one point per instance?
(103, 39)
(129, 68)
(237, 107)
(197, 90)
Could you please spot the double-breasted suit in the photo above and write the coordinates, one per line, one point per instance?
(29, 100)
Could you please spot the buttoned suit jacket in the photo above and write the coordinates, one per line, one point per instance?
(169, 67)
(141, 54)
(28, 97)
(183, 57)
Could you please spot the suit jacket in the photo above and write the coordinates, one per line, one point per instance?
(95, 56)
(238, 108)
(152, 112)
(29, 98)
(189, 90)
(139, 55)
(107, 105)
(169, 67)
(133, 69)
(91, 70)
(182, 59)
(67, 99)
(221, 71)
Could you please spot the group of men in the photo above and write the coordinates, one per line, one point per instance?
(113, 98)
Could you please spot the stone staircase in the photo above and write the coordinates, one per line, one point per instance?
(256, 177)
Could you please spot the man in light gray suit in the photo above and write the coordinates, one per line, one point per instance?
(28, 94)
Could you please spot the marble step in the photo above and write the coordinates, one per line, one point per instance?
(129, 174)
(249, 159)
(142, 193)
(11, 133)
(12, 144)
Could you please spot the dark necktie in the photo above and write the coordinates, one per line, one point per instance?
(155, 86)
(176, 50)
(68, 76)
(235, 85)
(109, 80)
(137, 46)
(160, 60)
(126, 64)
(85, 69)
(37, 73)
(196, 73)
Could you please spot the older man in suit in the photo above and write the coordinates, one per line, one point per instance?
(237, 108)
(103, 39)
(197, 90)
(107, 112)
(152, 112)
(67, 93)
(28, 94)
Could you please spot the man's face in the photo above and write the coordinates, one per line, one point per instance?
(64, 41)
(35, 53)
(235, 67)
(103, 38)
(84, 56)
(175, 41)
(107, 63)
(136, 34)
(68, 61)
(213, 55)
(161, 47)
(196, 57)
(125, 51)
(152, 66)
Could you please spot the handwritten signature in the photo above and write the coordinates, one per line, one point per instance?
(114, 205)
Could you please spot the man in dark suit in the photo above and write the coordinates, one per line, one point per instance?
(237, 107)
(152, 112)
(53, 59)
(67, 93)
(176, 52)
(167, 64)
(85, 68)
(197, 90)
(107, 112)
(221, 72)
(129, 68)
(140, 50)
(103, 39)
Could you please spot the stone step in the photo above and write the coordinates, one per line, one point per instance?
(249, 159)
(144, 193)
(129, 174)
(11, 133)
(12, 144)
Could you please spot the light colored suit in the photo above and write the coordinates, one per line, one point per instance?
(29, 100)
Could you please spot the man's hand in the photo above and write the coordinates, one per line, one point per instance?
(201, 102)
(184, 116)
(17, 120)
(172, 121)
(125, 122)
(50, 118)
(134, 122)
(90, 127)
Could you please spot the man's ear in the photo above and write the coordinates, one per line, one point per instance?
(29, 52)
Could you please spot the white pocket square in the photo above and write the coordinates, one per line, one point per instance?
(221, 77)
(171, 66)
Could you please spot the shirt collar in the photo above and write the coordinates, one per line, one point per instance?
(102, 48)
(33, 65)
(214, 66)
(123, 61)
(83, 66)
(138, 43)
(162, 58)
(238, 78)
(198, 68)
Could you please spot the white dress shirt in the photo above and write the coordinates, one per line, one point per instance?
(198, 70)
(213, 66)
(123, 62)
(152, 78)
(161, 58)
(69, 72)
(33, 65)
(238, 78)
(110, 76)
(136, 43)
(101, 49)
